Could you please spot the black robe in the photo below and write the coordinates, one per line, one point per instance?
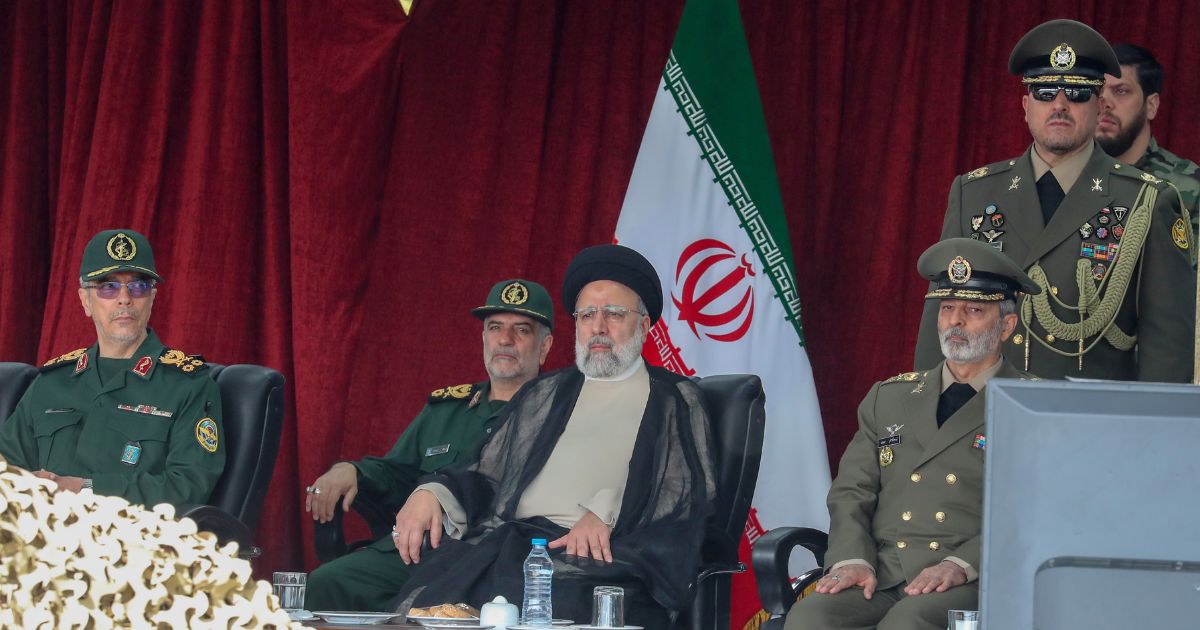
(658, 534)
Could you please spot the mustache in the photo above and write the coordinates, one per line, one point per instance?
(125, 312)
(955, 331)
(603, 340)
(1061, 116)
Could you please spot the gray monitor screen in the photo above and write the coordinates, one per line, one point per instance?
(1103, 471)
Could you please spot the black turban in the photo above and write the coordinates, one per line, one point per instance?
(618, 264)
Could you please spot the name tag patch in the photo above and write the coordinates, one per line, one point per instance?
(889, 441)
(437, 450)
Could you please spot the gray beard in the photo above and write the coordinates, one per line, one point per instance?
(977, 347)
(609, 364)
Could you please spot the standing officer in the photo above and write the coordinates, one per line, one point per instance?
(905, 512)
(127, 416)
(517, 319)
(1106, 242)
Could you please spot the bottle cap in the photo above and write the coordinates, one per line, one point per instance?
(539, 541)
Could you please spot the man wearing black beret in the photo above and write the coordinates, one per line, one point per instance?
(609, 460)
(1107, 244)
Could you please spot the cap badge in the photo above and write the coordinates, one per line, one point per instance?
(959, 270)
(121, 247)
(1062, 58)
(515, 293)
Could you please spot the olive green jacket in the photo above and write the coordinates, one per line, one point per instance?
(1158, 306)
(151, 435)
(450, 429)
(926, 503)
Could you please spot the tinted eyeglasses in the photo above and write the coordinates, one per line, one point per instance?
(1047, 93)
(110, 290)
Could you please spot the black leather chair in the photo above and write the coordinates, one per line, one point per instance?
(776, 589)
(252, 402)
(14, 380)
(735, 404)
(252, 407)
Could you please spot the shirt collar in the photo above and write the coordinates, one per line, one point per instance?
(1067, 171)
(633, 369)
(976, 383)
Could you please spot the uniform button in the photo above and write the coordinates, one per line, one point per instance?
(952, 479)
(906, 516)
(1054, 290)
(1018, 338)
(489, 430)
(901, 544)
(1116, 166)
(916, 477)
(940, 517)
(1011, 162)
(934, 545)
(1050, 338)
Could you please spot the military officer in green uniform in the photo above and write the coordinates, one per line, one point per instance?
(1128, 104)
(1107, 244)
(127, 416)
(905, 511)
(517, 321)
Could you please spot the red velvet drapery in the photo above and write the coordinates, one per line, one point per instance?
(330, 187)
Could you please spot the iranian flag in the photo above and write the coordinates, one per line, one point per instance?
(704, 207)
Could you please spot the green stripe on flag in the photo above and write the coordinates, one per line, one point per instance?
(711, 78)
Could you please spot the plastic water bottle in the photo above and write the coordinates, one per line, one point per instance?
(539, 574)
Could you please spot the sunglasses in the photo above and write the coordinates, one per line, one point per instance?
(1047, 93)
(110, 290)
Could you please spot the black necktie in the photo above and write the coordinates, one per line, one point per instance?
(952, 400)
(1050, 194)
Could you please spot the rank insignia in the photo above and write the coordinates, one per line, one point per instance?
(1118, 232)
(959, 270)
(992, 235)
(437, 450)
(1085, 230)
(451, 393)
(990, 209)
(81, 363)
(1179, 234)
(131, 454)
(1120, 212)
(980, 441)
(1016, 183)
(1098, 271)
(1150, 178)
(1062, 57)
(1103, 219)
(976, 222)
(977, 173)
(997, 220)
(142, 368)
(1102, 233)
(475, 399)
(206, 434)
(919, 388)
(1096, 187)
(886, 456)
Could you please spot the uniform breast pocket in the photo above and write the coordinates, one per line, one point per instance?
(56, 436)
(437, 457)
(139, 442)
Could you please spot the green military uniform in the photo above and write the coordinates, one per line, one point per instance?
(146, 428)
(1183, 174)
(1113, 260)
(908, 495)
(450, 429)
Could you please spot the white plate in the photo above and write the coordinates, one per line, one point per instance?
(301, 615)
(447, 622)
(350, 618)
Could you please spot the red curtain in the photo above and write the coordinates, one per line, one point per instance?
(330, 187)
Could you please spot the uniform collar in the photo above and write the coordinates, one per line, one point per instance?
(976, 383)
(1067, 171)
(145, 358)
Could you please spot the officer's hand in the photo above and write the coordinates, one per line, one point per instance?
(72, 484)
(421, 513)
(940, 577)
(45, 474)
(589, 537)
(847, 576)
(323, 494)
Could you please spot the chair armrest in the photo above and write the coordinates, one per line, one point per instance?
(227, 528)
(770, 561)
(330, 539)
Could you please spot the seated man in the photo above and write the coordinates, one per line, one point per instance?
(517, 319)
(905, 510)
(609, 460)
(127, 416)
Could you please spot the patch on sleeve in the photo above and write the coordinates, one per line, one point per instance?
(1179, 234)
(206, 434)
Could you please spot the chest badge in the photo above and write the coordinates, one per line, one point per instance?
(131, 454)
(886, 456)
(437, 450)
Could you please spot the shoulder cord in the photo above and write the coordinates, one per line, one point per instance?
(1103, 311)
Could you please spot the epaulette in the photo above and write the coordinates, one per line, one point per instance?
(60, 361)
(455, 392)
(180, 359)
(905, 377)
(991, 169)
(1126, 170)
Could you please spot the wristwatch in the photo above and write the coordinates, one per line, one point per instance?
(87, 484)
